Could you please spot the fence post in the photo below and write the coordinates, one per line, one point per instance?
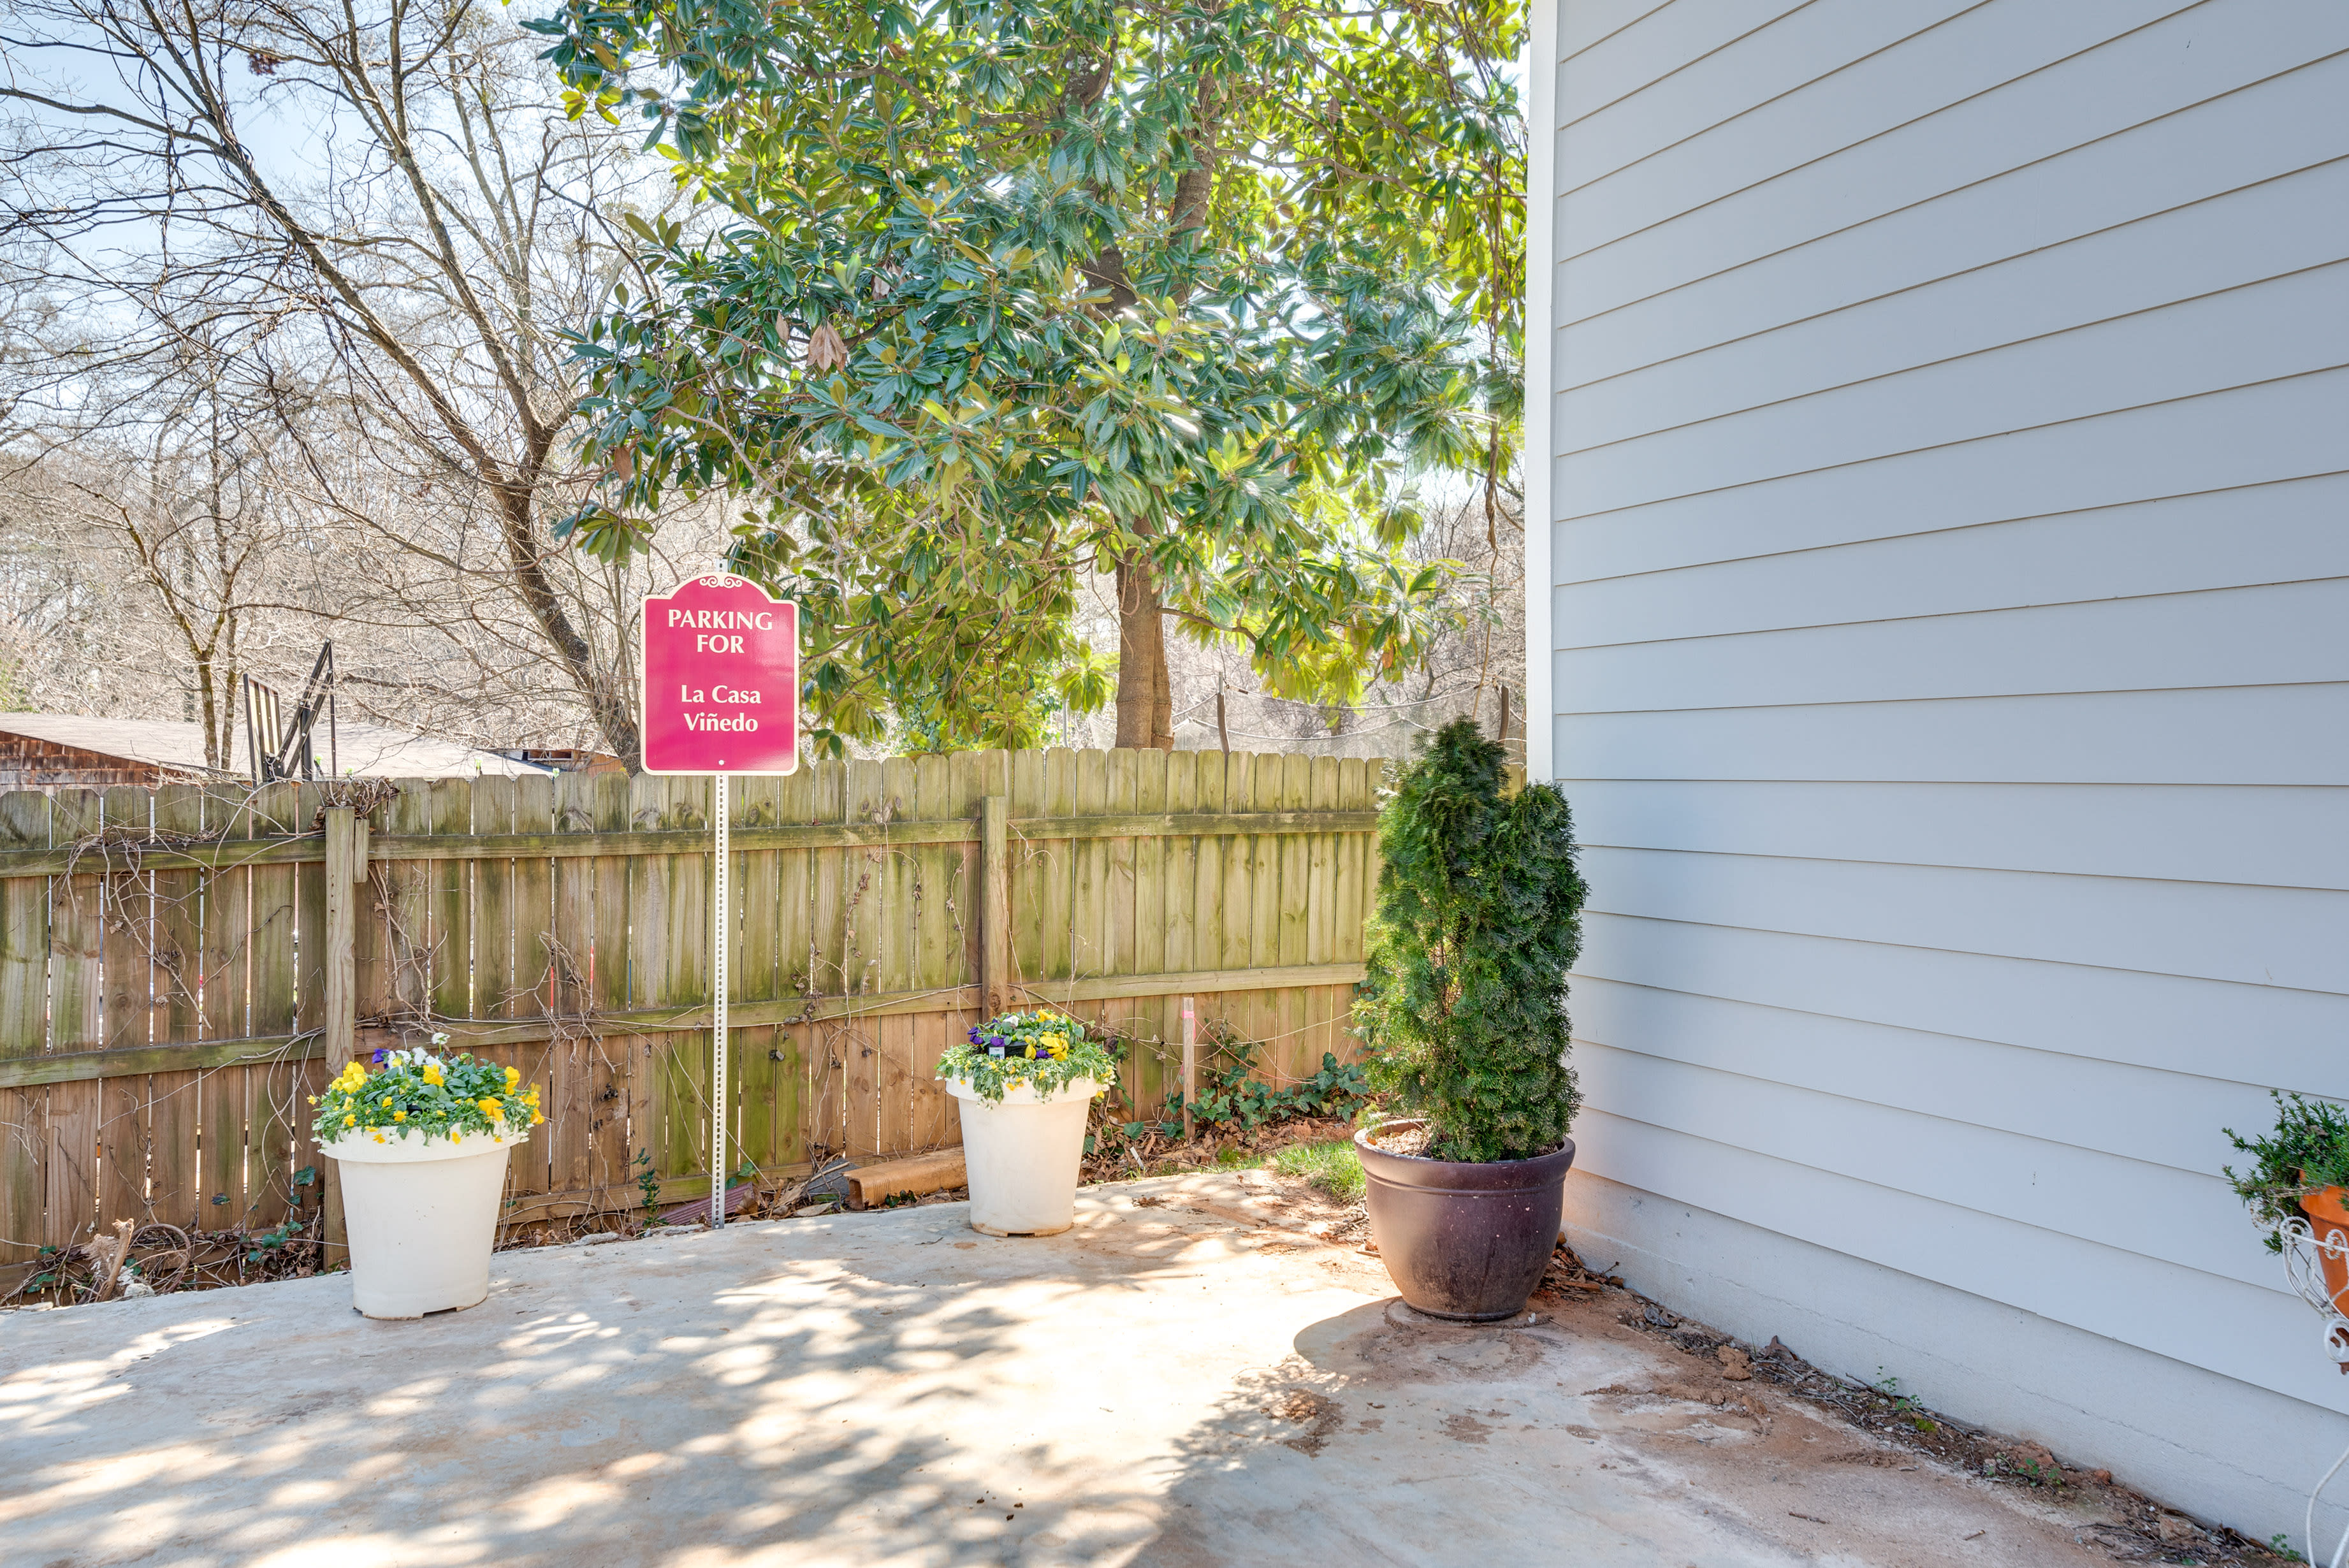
(346, 834)
(994, 904)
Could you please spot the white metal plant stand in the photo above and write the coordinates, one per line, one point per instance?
(2304, 1254)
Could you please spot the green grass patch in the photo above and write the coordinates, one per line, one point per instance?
(1333, 1167)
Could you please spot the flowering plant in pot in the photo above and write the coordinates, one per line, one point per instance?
(420, 1143)
(2302, 1169)
(1463, 1006)
(1023, 1082)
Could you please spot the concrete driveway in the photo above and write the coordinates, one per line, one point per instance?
(1186, 1377)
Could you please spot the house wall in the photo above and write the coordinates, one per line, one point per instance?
(1948, 637)
(28, 763)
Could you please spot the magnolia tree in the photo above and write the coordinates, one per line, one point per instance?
(1009, 295)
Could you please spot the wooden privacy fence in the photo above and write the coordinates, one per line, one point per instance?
(181, 968)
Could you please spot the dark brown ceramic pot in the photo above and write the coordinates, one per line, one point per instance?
(1462, 1240)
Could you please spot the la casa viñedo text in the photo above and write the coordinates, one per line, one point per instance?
(727, 696)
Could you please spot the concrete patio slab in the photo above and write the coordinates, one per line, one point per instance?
(1184, 1378)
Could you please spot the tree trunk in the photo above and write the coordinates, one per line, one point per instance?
(1146, 702)
(614, 717)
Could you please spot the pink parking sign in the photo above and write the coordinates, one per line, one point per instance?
(721, 668)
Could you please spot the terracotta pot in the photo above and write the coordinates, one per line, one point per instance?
(1463, 1240)
(2329, 1219)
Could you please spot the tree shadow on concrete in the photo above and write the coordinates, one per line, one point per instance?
(766, 1394)
(1388, 1437)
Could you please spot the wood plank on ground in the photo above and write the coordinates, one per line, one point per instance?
(932, 1172)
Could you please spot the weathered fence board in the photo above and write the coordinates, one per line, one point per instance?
(164, 962)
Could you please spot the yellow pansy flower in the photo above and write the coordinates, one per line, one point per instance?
(399, 1116)
(490, 1108)
(512, 1077)
(350, 1121)
(433, 1074)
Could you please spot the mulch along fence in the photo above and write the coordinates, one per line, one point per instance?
(181, 968)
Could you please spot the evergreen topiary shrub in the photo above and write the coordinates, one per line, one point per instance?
(1478, 919)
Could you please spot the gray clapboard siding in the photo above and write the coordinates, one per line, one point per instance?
(2277, 633)
(2173, 1215)
(2181, 350)
(2167, 1119)
(2254, 1034)
(2243, 538)
(2223, 440)
(2273, 837)
(2271, 735)
(2207, 51)
(1587, 25)
(1655, 47)
(2116, 1294)
(2204, 249)
(1976, 54)
(1705, 93)
(2294, 937)
(1941, 634)
(2235, 142)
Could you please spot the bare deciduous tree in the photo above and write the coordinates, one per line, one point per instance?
(385, 197)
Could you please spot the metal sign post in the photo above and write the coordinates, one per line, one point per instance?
(720, 662)
(721, 943)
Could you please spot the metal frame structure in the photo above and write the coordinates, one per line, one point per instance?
(278, 747)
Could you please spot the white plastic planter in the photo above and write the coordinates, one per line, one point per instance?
(1022, 1156)
(422, 1218)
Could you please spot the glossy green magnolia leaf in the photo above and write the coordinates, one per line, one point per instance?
(995, 352)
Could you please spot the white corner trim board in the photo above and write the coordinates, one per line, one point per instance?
(1540, 77)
